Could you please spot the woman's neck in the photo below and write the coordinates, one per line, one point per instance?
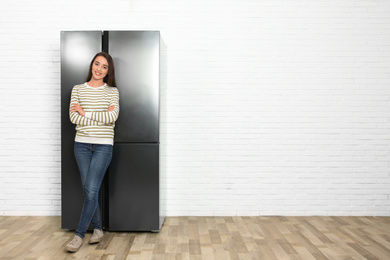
(95, 83)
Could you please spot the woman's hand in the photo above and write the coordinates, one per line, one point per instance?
(111, 108)
(77, 108)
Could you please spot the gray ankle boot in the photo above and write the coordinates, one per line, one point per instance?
(96, 237)
(75, 244)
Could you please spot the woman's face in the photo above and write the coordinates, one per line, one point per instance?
(99, 68)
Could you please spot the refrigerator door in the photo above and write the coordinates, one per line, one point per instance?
(77, 50)
(134, 188)
(136, 56)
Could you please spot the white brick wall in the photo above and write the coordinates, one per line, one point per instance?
(270, 107)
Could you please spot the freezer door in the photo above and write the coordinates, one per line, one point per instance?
(134, 188)
(136, 56)
(77, 50)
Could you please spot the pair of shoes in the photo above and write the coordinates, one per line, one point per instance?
(75, 244)
(96, 237)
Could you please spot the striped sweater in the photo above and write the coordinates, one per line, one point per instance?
(97, 126)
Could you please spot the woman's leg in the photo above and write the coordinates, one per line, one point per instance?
(99, 162)
(83, 153)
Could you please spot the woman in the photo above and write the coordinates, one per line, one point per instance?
(94, 108)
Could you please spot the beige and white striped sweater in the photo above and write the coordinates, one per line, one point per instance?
(97, 126)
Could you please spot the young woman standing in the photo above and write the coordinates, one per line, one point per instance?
(94, 108)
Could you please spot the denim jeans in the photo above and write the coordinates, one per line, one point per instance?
(93, 161)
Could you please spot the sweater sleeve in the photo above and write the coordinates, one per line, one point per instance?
(106, 117)
(75, 117)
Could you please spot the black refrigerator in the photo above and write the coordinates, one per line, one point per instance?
(130, 194)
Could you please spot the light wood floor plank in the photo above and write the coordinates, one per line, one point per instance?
(208, 238)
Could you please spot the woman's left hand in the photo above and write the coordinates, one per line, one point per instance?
(77, 108)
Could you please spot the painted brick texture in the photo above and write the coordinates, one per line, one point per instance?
(267, 107)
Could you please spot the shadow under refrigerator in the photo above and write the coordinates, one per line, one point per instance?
(130, 194)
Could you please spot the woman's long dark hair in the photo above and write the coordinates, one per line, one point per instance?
(110, 77)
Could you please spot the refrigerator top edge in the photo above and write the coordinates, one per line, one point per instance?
(157, 31)
(81, 31)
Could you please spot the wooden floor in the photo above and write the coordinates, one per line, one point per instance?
(207, 238)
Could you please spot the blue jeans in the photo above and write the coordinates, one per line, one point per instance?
(93, 161)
